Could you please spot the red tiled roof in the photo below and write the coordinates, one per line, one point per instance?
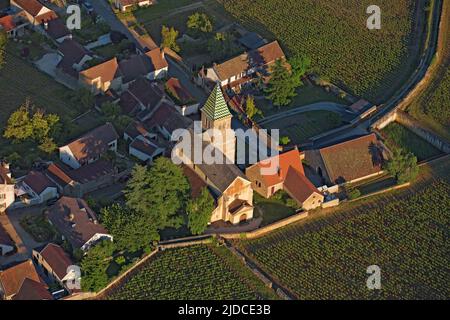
(33, 7)
(283, 162)
(57, 173)
(38, 181)
(7, 22)
(57, 259)
(352, 159)
(298, 186)
(94, 143)
(144, 147)
(267, 54)
(57, 29)
(12, 278)
(157, 58)
(107, 71)
(32, 290)
(136, 129)
(175, 87)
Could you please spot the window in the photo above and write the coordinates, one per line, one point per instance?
(2, 196)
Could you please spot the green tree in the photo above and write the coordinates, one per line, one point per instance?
(285, 140)
(200, 22)
(48, 145)
(3, 40)
(19, 126)
(85, 98)
(130, 229)
(158, 193)
(111, 110)
(169, 38)
(251, 109)
(94, 266)
(222, 46)
(403, 166)
(199, 212)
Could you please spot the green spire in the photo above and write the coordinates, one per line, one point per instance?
(215, 107)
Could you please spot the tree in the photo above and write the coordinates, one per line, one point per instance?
(285, 140)
(19, 126)
(94, 266)
(3, 40)
(199, 212)
(85, 98)
(158, 194)
(352, 192)
(200, 22)
(250, 108)
(48, 145)
(403, 166)
(222, 46)
(129, 228)
(111, 110)
(284, 82)
(169, 38)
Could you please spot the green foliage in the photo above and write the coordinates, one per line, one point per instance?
(222, 46)
(111, 110)
(158, 194)
(438, 103)
(169, 38)
(94, 266)
(406, 234)
(131, 230)
(200, 22)
(285, 140)
(199, 212)
(352, 192)
(403, 166)
(3, 40)
(251, 109)
(121, 122)
(85, 98)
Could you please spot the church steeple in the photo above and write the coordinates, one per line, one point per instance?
(215, 107)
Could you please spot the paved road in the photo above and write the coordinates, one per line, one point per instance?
(24, 242)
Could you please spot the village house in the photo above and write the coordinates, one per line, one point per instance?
(77, 223)
(22, 282)
(7, 245)
(347, 162)
(74, 57)
(57, 31)
(38, 186)
(229, 186)
(234, 73)
(288, 175)
(124, 5)
(145, 150)
(184, 102)
(7, 196)
(78, 182)
(57, 265)
(13, 25)
(136, 130)
(90, 147)
(102, 77)
(35, 11)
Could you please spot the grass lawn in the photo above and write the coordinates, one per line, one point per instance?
(397, 136)
(306, 95)
(273, 209)
(39, 228)
(299, 128)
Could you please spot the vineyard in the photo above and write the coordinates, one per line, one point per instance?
(397, 136)
(372, 64)
(198, 272)
(405, 234)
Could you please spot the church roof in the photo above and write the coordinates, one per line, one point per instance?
(215, 107)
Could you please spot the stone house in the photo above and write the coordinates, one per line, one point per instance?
(35, 11)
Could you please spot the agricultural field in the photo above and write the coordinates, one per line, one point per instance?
(372, 64)
(397, 136)
(197, 272)
(299, 128)
(405, 233)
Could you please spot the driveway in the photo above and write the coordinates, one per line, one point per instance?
(48, 63)
(24, 242)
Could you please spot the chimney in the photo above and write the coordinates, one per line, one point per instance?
(280, 171)
(46, 25)
(71, 217)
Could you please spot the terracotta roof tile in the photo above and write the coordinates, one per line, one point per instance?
(107, 71)
(57, 259)
(298, 186)
(38, 181)
(32, 290)
(12, 278)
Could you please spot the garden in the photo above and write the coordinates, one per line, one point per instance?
(39, 228)
(276, 208)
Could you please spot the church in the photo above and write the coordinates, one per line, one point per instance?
(229, 186)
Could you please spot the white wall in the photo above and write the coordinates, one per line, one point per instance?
(66, 156)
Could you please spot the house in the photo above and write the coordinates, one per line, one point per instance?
(57, 265)
(13, 25)
(145, 150)
(229, 186)
(7, 245)
(285, 172)
(151, 65)
(347, 162)
(22, 278)
(57, 31)
(77, 223)
(166, 119)
(90, 147)
(184, 101)
(74, 56)
(7, 196)
(102, 77)
(78, 182)
(136, 130)
(242, 69)
(35, 11)
(124, 5)
(39, 187)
